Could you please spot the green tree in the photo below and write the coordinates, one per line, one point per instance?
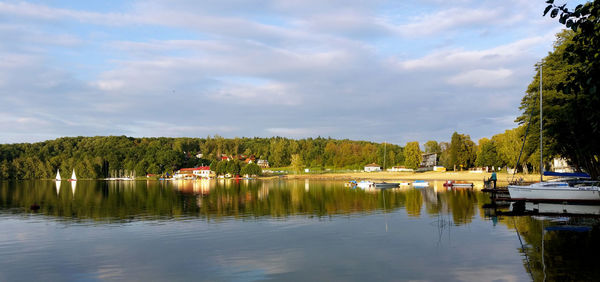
(412, 155)
(462, 151)
(571, 110)
(297, 163)
(432, 146)
(487, 155)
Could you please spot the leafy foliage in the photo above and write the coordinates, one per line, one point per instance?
(574, 119)
(412, 155)
(104, 156)
(462, 151)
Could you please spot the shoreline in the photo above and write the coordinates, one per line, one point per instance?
(429, 175)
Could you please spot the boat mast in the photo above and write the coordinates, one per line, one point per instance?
(384, 153)
(541, 127)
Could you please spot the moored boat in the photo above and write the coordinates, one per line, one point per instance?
(571, 188)
(385, 185)
(420, 183)
(574, 189)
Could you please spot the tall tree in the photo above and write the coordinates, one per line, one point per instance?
(572, 113)
(462, 151)
(412, 155)
(432, 146)
(297, 163)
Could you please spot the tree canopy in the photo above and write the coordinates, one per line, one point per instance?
(571, 98)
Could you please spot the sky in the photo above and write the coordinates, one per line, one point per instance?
(382, 71)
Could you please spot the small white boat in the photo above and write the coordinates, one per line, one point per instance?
(385, 185)
(58, 175)
(73, 176)
(420, 183)
(404, 183)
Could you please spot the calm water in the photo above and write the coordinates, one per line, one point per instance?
(280, 230)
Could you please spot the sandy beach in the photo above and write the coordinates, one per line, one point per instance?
(430, 175)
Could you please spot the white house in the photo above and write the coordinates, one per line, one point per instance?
(561, 165)
(400, 169)
(196, 172)
(372, 167)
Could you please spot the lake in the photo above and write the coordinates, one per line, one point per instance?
(292, 230)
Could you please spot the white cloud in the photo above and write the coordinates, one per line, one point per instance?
(348, 69)
(483, 78)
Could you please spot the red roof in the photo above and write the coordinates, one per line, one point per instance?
(196, 168)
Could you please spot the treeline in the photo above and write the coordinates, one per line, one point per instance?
(502, 150)
(114, 156)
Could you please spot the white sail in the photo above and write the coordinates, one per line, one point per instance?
(73, 176)
(58, 175)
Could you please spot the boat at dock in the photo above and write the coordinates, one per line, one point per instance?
(57, 175)
(385, 185)
(570, 187)
(573, 187)
(379, 185)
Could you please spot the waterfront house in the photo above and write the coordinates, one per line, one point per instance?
(429, 160)
(561, 165)
(372, 167)
(263, 163)
(192, 173)
(400, 169)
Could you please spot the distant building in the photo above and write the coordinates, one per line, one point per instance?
(429, 160)
(372, 167)
(263, 163)
(400, 169)
(196, 172)
(561, 165)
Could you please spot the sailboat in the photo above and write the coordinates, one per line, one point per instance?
(58, 175)
(73, 176)
(569, 188)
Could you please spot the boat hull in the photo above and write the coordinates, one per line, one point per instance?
(554, 193)
(386, 185)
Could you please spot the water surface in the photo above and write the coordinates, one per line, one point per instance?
(279, 230)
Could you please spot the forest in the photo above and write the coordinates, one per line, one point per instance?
(116, 156)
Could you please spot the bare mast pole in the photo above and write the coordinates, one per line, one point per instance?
(541, 128)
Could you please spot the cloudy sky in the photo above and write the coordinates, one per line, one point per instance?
(394, 71)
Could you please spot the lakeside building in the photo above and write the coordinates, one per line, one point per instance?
(263, 163)
(429, 160)
(561, 165)
(372, 167)
(400, 169)
(191, 173)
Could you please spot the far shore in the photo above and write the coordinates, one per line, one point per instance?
(503, 177)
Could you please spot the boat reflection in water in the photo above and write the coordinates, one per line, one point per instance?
(561, 209)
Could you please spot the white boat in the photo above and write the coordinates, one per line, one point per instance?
(73, 176)
(575, 190)
(58, 175)
(560, 190)
(364, 184)
(420, 183)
